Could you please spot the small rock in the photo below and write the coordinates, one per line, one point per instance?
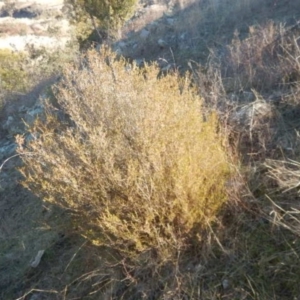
(250, 114)
(144, 34)
(248, 96)
(37, 259)
(225, 284)
(183, 36)
(170, 21)
(32, 115)
(98, 47)
(122, 45)
(35, 111)
(162, 43)
(22, 109)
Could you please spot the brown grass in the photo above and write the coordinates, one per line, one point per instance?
(270, 52)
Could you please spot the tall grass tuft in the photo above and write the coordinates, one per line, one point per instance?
(139, 162)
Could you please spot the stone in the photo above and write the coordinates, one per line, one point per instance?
(37, 259)
(170, 21)
(225, 284)
(248, 114)
(162, 43)
(183, 36)
(144, 34)
(122, 45)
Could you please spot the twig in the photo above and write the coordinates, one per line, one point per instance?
(13, 156)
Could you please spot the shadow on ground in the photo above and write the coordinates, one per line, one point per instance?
(70, 266)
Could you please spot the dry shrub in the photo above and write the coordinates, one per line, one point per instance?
(13, 28)
(142, 166)
(264, 60)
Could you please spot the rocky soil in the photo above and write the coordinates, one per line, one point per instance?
(39, 23)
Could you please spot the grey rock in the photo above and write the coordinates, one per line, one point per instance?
(183, 36)
(144, 34)
(22, 109)
(122, 45)
(225, 284)
(162, 43)
(170, 21)
(248, 96)
(248, 114)
(32, 114)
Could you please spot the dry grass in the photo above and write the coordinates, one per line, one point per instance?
(270, 52)
(11, 28)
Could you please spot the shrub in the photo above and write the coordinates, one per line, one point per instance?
(104, 10)
(110, 15)
(139, 163)
(12, 75)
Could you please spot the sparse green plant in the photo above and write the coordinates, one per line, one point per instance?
(112, 12)
(141, 167)
(99, 15)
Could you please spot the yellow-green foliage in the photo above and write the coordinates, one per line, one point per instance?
(112, 12)
(140, 166)
(12, 76)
